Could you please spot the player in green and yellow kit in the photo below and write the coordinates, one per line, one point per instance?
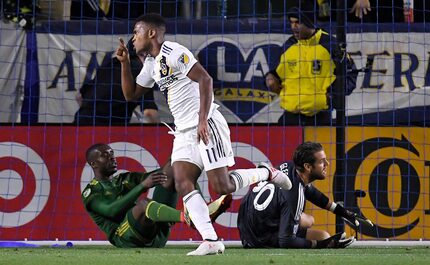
(112, 202)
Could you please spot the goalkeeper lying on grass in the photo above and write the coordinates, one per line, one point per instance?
(112, 202)
(270, 217)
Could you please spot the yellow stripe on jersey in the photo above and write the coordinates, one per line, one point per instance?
(122, 228)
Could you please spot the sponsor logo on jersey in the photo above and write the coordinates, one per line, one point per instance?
(86, 193)
(292, 65)
(94, 182)
(164, 83)
(316, 67)
(184, 59)
(164, 68)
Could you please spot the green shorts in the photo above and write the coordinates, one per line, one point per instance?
(131, 234)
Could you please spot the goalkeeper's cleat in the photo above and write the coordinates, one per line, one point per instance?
(208, 248)
(216, 208)
(276, 176)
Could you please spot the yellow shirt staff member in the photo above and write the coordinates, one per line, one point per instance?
(307, 70)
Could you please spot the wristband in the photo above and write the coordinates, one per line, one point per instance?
(332, 207)
(339, 210)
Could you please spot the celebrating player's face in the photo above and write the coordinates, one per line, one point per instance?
(319, 168)
(141, 39)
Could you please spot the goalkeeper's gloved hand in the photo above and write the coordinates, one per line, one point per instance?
(338, 240)
(343, 243)
(350, 217)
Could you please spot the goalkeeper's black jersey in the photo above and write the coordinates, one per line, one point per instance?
(269, 216)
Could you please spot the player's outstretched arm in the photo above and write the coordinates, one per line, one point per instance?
(318, 198)
(111, 209)
(350, 217)
(130, 89)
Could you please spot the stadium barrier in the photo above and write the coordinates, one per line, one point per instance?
(44, 171)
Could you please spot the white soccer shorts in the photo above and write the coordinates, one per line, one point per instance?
(218, 153)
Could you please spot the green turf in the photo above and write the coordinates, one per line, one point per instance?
(103, 255)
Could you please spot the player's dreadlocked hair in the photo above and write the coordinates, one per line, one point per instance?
(304, 153)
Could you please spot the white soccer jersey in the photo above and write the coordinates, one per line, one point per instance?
(169, 70)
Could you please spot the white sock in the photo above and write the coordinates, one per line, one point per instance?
(245, 177)
(199, 214)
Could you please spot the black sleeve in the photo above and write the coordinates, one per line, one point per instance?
(315, 196)
(289, 222)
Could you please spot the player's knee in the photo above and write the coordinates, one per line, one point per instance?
(139, 210)
(311, 220)
(222, 188)
(306, 220)
(324, 235)
(169, 185)
(184, 187)
(141, 205)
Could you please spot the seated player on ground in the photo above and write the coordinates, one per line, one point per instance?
(270, 217)
(111, 201)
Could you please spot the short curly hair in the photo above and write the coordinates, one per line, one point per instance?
(304, 153)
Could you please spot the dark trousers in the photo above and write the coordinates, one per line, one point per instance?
(322, 118)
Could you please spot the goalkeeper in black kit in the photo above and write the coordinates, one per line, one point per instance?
(270, 217)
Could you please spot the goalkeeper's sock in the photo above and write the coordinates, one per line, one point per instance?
(245, 177)
(159, 212)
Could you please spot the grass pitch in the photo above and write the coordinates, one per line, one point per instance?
(102, 255)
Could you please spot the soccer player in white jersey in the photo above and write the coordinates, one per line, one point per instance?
(202, 137)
